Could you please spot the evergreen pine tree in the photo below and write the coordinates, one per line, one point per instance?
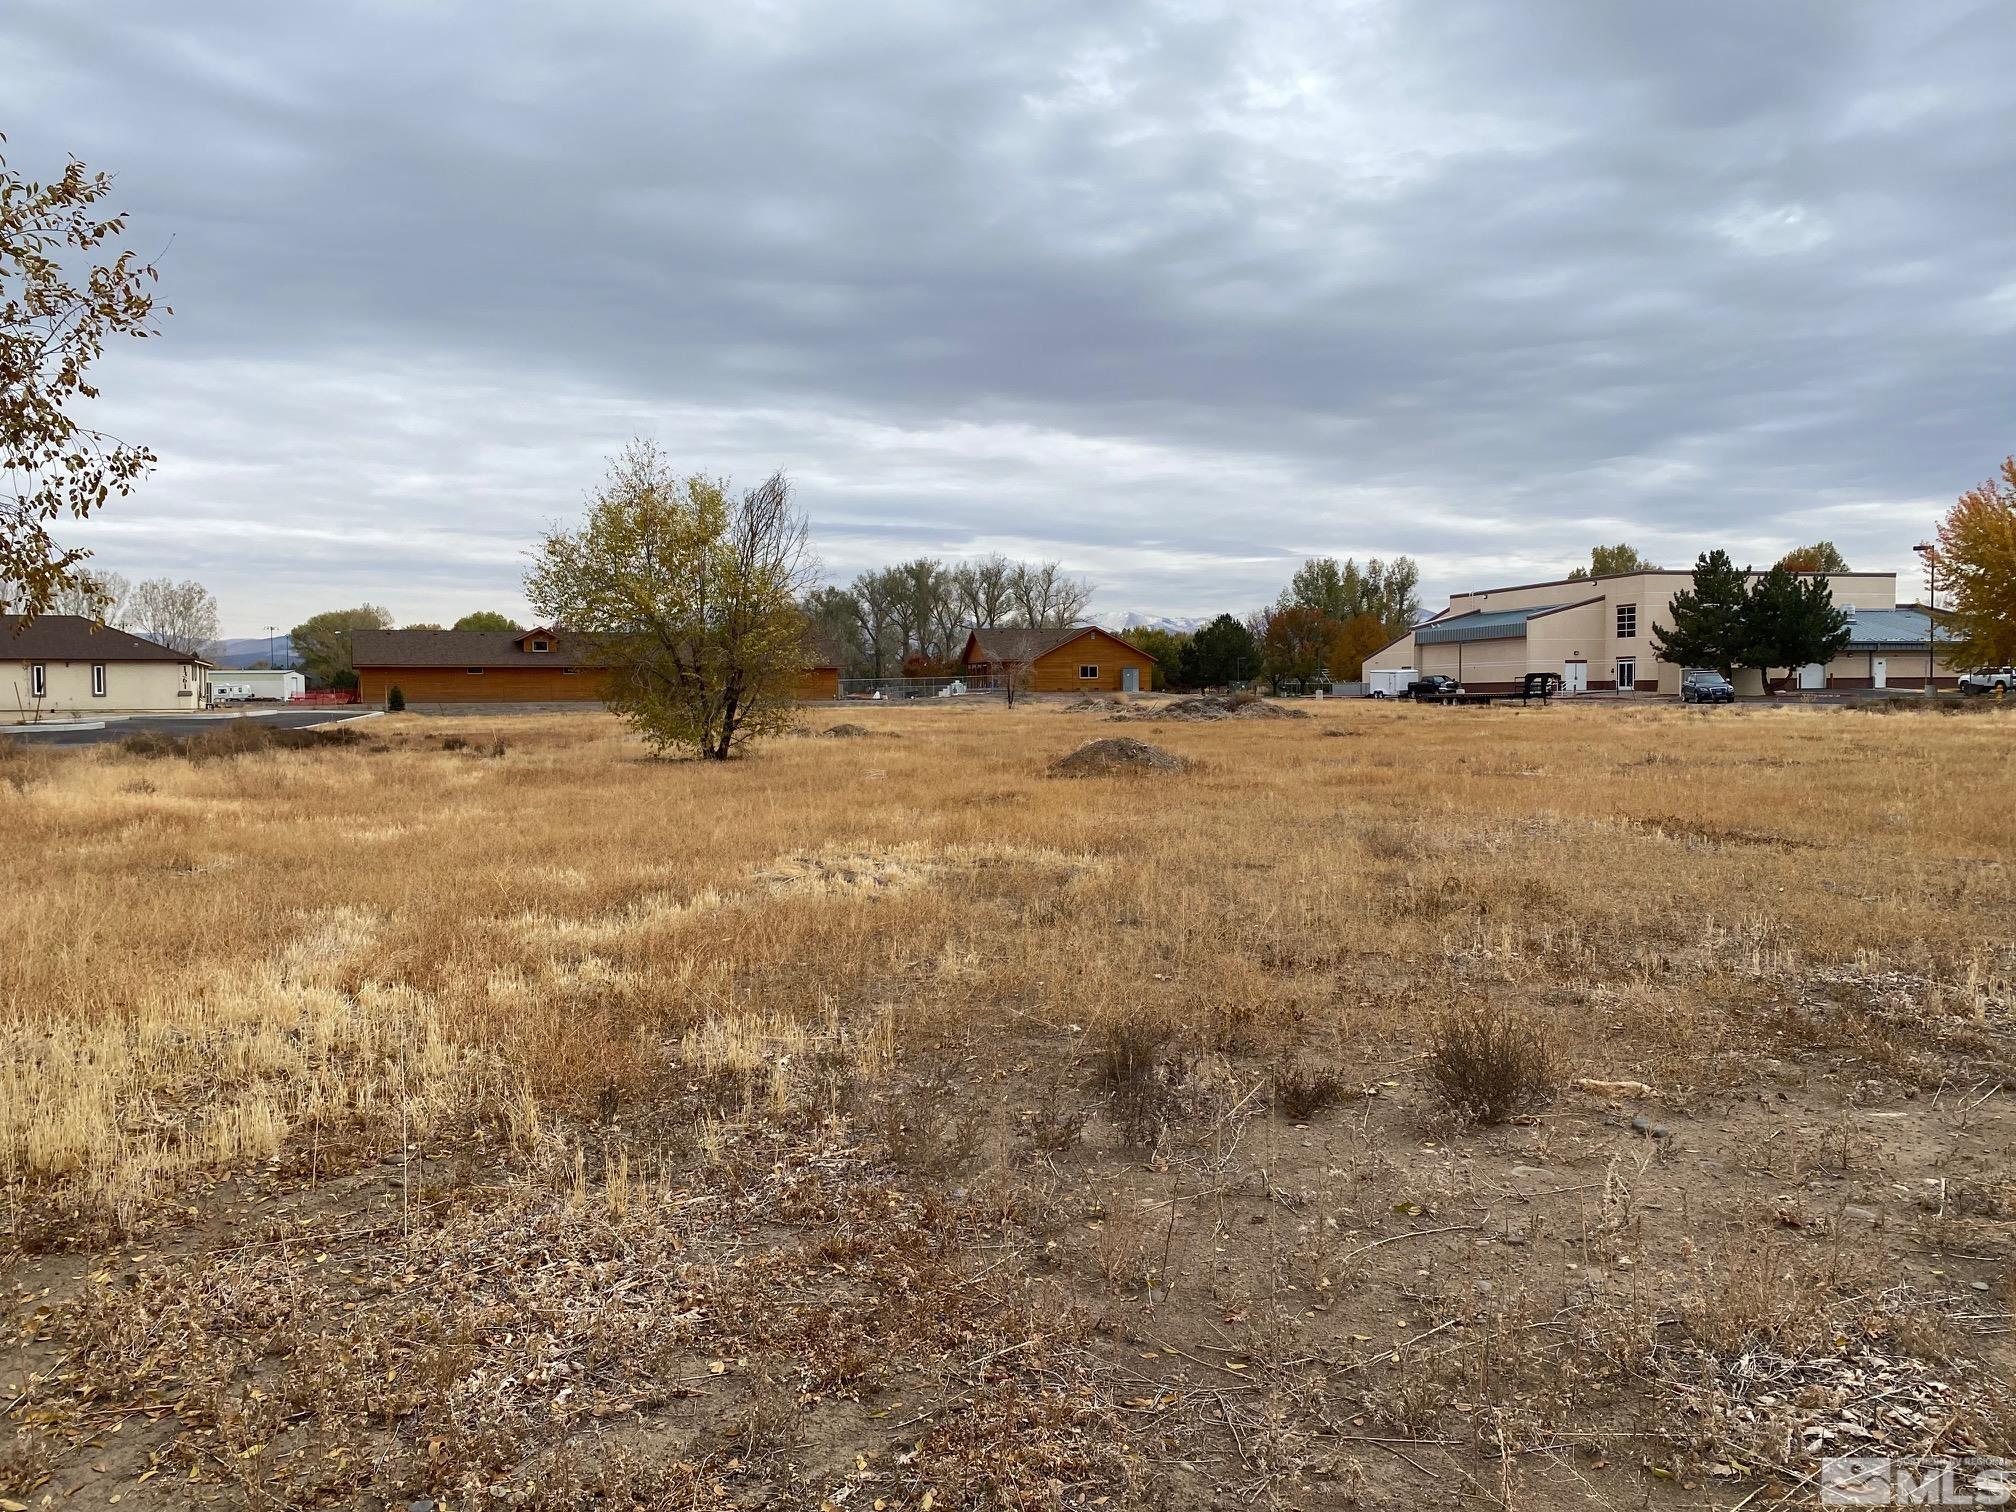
(1790, 621)
(1710, 627)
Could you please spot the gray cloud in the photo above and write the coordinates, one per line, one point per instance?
(1179, 293)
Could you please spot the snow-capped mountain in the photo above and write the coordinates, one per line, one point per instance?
(1120, 624)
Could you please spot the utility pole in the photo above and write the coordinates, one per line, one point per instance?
(1931, 555)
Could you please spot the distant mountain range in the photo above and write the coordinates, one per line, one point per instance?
(1133, 620)
(248, 650)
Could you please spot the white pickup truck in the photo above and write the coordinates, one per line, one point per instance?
(1988, 680)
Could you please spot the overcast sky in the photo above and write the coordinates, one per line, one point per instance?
(1178, 293)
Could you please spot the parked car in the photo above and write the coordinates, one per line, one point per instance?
(1706, 687)
(1434, 685)
(1988, 680)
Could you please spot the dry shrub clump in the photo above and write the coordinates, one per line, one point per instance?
(237, 737)
(1303, 1089)
(1491, 1063)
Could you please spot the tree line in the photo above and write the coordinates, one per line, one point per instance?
(912, 619)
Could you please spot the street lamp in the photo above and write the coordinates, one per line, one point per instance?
(1931, 554)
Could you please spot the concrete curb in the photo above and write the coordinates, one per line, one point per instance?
(67, 726)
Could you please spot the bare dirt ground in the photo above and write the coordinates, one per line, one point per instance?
(475, 1112)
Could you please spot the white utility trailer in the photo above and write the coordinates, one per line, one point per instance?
(1389, 684)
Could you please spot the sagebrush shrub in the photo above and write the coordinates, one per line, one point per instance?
(1491, 1063)
(1302, 1090)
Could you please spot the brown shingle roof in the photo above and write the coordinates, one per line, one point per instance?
(72, 637)
(1020, 645)
(463, 648)
(494, 648)
(1016, 643)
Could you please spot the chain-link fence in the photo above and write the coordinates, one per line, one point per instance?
(896, 689)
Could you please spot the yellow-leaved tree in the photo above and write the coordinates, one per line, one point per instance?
(1977, 564)
(689, 594)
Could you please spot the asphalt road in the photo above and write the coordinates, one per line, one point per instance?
(175, 724)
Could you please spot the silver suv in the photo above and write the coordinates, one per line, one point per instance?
(1988, 680)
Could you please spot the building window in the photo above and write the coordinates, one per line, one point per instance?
(473, 671)
(38, 681)
(1088, 670)
(98, 679)
(539, 645)
(569, 671)
(1627, 621)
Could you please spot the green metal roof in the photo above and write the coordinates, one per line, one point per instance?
(1486, 624)
(1899, 629)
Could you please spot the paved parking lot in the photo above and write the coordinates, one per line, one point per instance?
(175, 724)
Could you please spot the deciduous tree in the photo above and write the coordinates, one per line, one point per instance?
(99, 596)
(59, 306)
(1293, 644)
(487, 619)
(1608, 561)
(1046, 597)
(982, 589)
(690, 594)
(322, 642)
(1977, 564)
(1355, 640)
(1388, 591)
(181, 616)
(1821, 556)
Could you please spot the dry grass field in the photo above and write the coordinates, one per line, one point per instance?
(480, 1113)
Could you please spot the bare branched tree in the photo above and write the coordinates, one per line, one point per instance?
(181, 616)
(1045, 596)
(99, 596)
(981, 589)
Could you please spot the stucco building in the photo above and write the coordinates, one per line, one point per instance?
(64, 666)
(1596, 634)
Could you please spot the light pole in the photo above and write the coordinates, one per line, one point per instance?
(1931, 554)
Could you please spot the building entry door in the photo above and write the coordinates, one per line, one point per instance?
(1575, 677)
(1627, 674)
(1130, 679)
(1879, 671)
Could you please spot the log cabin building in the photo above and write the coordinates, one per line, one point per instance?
(1073, 659)
(454, 669)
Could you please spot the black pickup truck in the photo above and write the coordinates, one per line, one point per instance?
(1434, 685)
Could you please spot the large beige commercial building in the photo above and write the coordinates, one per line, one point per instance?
(1596, 634)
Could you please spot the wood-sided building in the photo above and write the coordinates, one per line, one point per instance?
(524, 668)
(1073, 659)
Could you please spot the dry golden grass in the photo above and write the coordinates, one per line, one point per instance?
(292, 963)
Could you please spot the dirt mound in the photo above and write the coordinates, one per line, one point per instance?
(1102, 758)
(844, 732)
(1089, 705)
(1214, 706)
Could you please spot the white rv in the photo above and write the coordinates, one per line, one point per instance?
(229, 685)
